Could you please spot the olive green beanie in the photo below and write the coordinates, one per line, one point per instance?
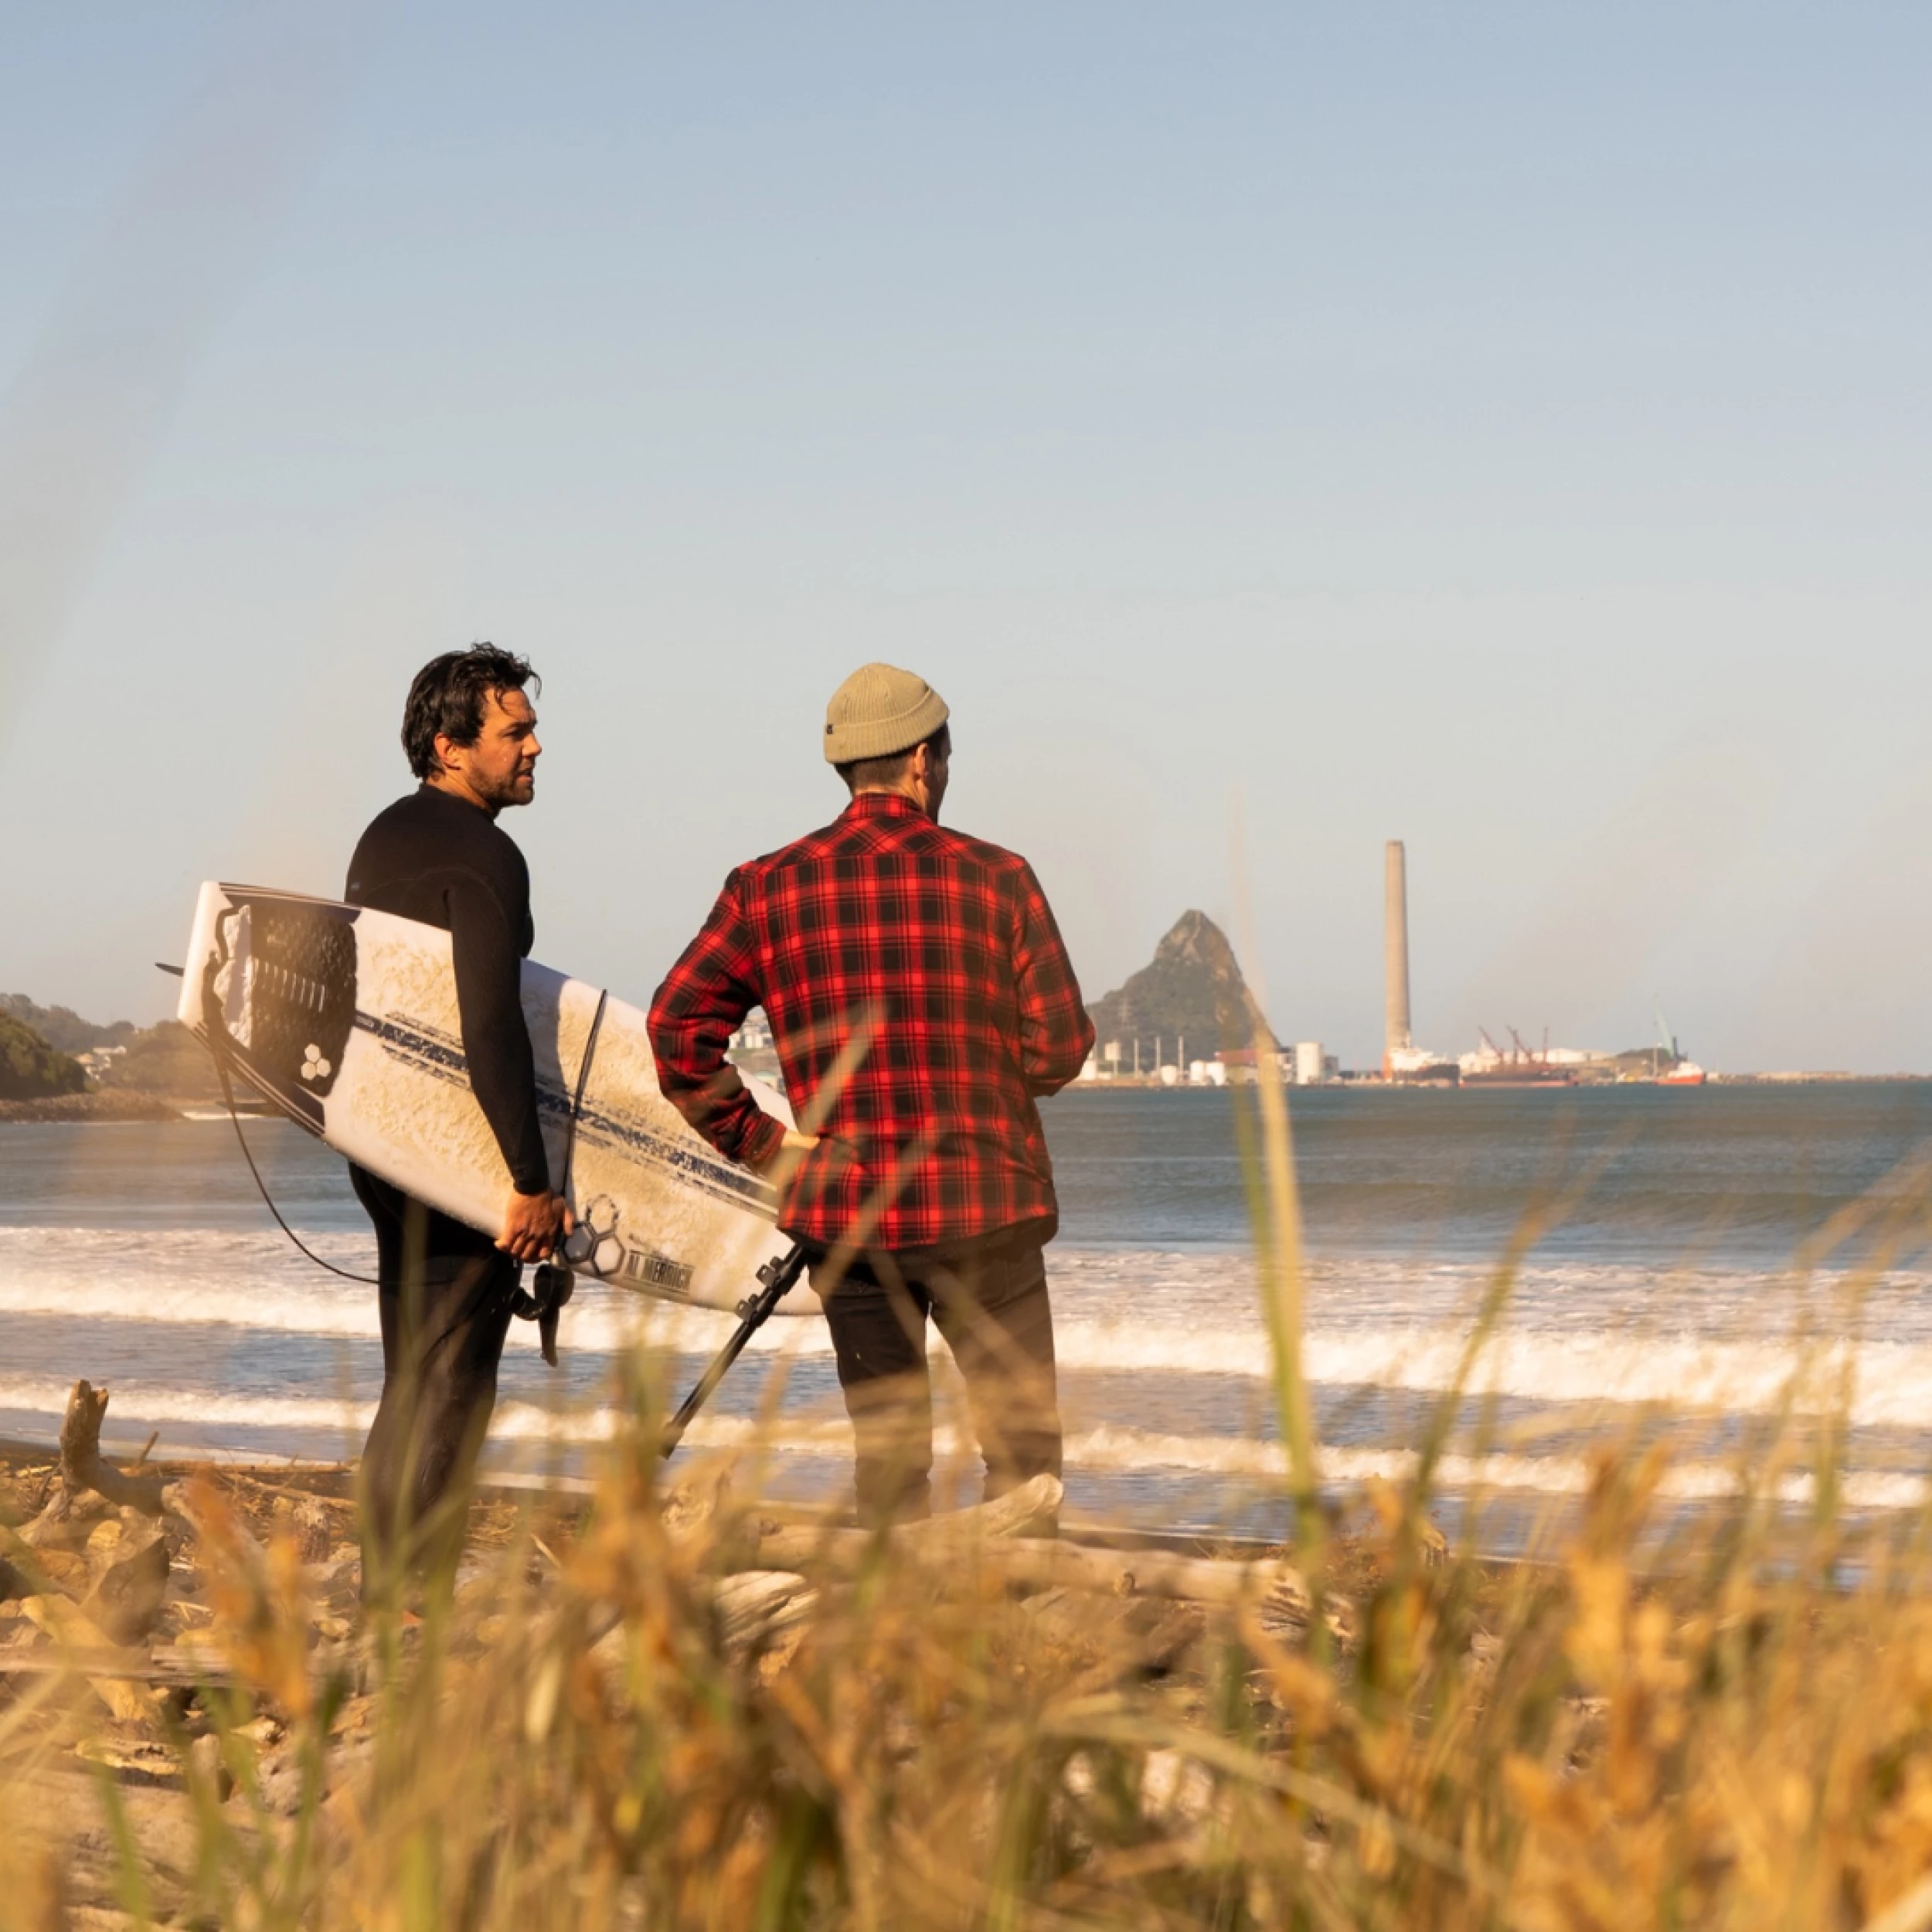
(880, 709)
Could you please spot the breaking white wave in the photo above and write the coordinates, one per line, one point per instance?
(189, 1278)
(134, 1406)
(1128, 1449)
(1575, 1334)
(1111, 1450)
(1873, 1384)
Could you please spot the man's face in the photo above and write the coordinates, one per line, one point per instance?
(500, 768)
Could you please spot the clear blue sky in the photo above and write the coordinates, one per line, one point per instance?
(1504, 428)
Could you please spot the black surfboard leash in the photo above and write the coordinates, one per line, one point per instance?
(776, 1280)
(220, 1059)
(577, 1099)
(553, 1281)
(219, 1055)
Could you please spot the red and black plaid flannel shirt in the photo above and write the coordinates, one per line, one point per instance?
(936, 953)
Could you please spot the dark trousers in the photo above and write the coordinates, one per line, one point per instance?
(993, 1311)
(444, 1300)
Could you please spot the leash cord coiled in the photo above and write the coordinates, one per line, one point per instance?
(554, 1281)
(261, 1186)
(577, 1099)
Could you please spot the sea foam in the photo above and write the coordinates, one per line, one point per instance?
(1572, 1336)
(1112, 1449)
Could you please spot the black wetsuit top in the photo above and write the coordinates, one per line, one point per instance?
(436, 857)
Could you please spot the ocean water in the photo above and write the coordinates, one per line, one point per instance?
(1717, 1263)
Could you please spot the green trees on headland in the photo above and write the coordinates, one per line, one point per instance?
(62, 1027)
(118, 1065)
(30, 1070)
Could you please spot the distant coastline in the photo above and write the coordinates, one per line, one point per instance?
(110, 1108)
(1367, 1083)
(99, 1105)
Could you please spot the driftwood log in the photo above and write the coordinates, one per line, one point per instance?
(83, 1467)
(89, 1485)
(128, 1593)
(1004, 1539)
(184, 1501)
(126, 1696)
(1042, 1563)
(1032, 1508)
(114, 1517)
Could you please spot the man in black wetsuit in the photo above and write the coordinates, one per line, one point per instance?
(439, 856)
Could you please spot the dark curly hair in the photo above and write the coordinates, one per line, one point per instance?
(448, 698)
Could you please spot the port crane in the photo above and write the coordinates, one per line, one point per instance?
(1666, 1046)
(1521, 1065)
(1519, 1054)
(1525, 1056)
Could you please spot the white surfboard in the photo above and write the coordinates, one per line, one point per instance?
(345, 1020)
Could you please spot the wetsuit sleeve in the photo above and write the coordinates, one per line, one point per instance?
(484, 939)
(702, 1003)
(1056, 1035)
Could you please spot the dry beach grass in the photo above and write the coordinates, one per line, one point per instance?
(659, 1706)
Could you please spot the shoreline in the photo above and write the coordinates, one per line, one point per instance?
(1374, 1083)
(108, 1108)
(22, 1461)
(81, 1109)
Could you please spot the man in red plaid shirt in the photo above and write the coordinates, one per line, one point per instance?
(920, 999)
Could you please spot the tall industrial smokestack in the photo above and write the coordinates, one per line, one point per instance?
(1395, 1027)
